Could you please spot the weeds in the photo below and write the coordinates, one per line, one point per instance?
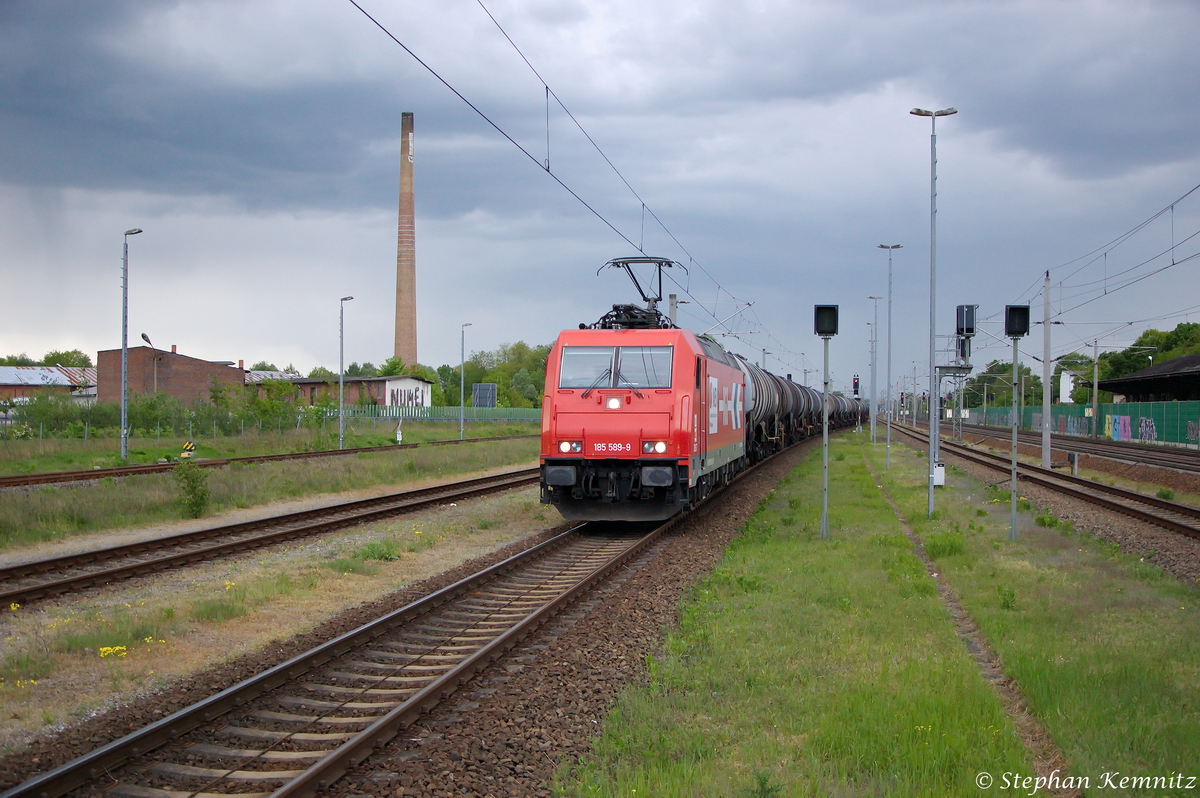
(944, 544)
(762, 787)
(192, 481)
(1008, 597)
(1166, 493)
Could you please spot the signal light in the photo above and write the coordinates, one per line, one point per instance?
(654, 447)
(1016, 321)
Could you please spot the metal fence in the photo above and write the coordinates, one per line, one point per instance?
(444, 413)
(1146, 422)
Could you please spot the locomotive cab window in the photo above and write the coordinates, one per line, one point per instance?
(586, 367)
(643, 367)
(591, 367)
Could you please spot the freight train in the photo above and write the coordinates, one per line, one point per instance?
(642, 420)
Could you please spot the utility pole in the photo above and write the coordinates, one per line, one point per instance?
(1096, 388)
(1046, 366)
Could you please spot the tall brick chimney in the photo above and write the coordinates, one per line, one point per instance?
(406, 251)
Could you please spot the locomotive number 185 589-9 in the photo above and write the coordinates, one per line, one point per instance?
(612, 447)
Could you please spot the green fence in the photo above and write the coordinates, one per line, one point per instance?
(1158, 422)
(444, 413)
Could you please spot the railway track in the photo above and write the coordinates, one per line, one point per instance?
(52, 477)
(30, 581)
(294, 729)
(1181, 518)
(1128, 452)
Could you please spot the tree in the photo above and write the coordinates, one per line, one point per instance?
(997, 378)
(367, 369)
(320, 372)
(263, 365)
(17, 360)
(1080, 365)
(391, 367)
(72, 357)
(1152, 346)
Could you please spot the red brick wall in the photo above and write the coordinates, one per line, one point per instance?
(183, 377)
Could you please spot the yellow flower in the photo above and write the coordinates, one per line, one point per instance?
(14, 606)
(229, 585)
(113, 651)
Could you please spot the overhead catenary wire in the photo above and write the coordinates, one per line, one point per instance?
(545, 165)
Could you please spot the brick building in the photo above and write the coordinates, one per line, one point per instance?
(159, 371)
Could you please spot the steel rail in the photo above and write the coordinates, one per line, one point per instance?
(50, 477)
(100, 761)
(319, 776)
(1125, 451)
(1186, 523)
(280, 528)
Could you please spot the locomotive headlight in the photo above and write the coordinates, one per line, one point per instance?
(660, 447)
(654, 447)
(570, 446)
(564, 447)
(613, 403)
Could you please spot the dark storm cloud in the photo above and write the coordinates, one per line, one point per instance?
(1095, 89)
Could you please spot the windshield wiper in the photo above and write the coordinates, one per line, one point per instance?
(621, 377)
(603, 375)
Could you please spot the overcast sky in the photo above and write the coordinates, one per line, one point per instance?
(257, 144)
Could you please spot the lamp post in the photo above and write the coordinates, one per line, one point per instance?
(146, 338)
(874, 360)
(889, 352)
(125, 344)
(462, 382)
(934, 387)
(825, 324)
(342, 371)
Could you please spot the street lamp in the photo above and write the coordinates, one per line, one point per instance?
(874, 358)
(342, 371)
(889, 352)
(934, 388)
(146, 338)
(125, 344)
(462, 381)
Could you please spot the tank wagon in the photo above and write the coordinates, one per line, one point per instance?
(642, 419)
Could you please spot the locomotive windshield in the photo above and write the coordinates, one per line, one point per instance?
(586, 367)
(644, 367)
(590, 367)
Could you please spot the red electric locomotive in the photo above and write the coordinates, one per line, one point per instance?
(642, 419)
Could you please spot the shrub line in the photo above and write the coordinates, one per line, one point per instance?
(1048, 758)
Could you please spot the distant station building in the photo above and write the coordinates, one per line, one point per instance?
(158, 371)
(396, 391)
(23, 382)
(1174, 380)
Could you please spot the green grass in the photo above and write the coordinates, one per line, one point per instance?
(71, 454)
(237, 600)
(808, 667)
(52, 512)
(1105, 647)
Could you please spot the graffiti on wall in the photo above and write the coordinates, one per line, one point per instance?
(1147, 430)
(407, 397)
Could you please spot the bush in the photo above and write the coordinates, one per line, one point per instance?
(1166, 493)
(193, 488)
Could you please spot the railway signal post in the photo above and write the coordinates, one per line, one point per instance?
(825, 323)
(1016, 327)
